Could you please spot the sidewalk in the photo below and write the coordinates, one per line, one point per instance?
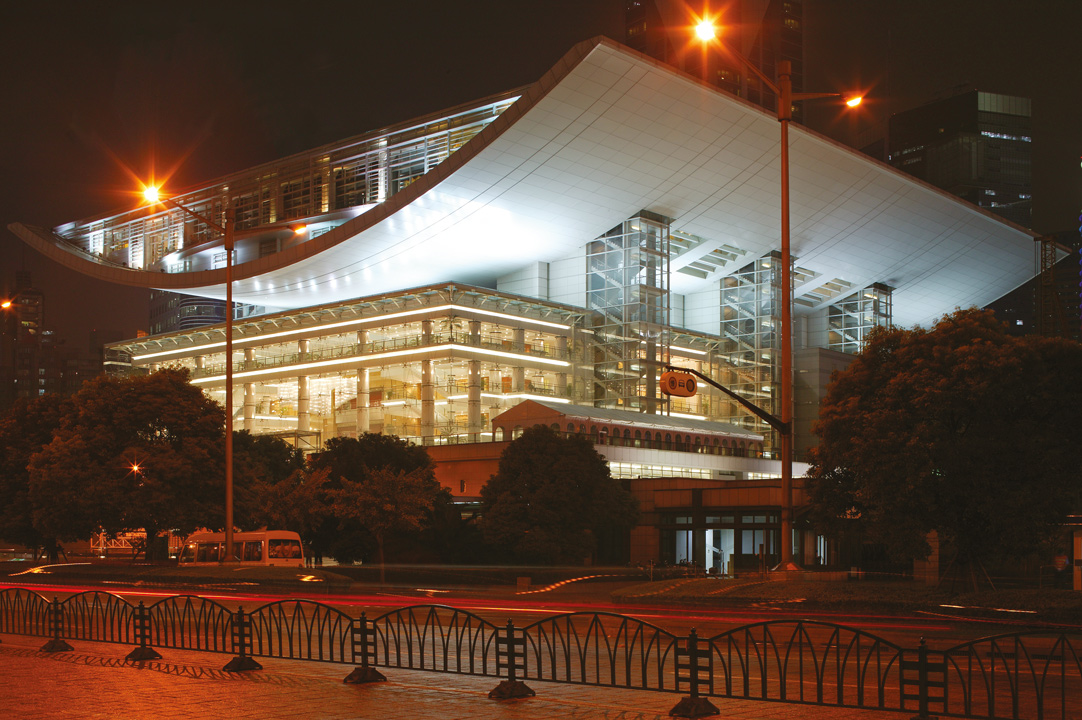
(93, 681)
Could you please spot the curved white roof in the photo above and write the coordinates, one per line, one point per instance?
(609, 132)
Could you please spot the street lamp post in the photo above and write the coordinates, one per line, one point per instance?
(783, 91)
(151, 194)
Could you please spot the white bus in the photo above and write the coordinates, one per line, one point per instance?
(261, 547)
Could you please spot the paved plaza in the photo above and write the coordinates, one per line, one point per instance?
(94, 681)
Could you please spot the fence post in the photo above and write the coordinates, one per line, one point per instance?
(923, 683)
(689, 660)
(142, 636)
(510, 654)
(363, 637)
(242, 642)
(56, 618)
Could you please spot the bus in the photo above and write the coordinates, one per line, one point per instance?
(261, 547)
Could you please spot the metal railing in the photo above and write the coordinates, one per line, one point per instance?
(1018, 675)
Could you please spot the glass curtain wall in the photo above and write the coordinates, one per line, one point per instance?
(627, 275)
(750, 319)
(850, 320)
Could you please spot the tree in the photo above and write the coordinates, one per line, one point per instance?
(262, 463)
(551, 497)
(142, 452)
(387, 500)
(27, 427)
(363, 505)
(961, 429)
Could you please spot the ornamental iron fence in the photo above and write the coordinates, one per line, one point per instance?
(1018, 675)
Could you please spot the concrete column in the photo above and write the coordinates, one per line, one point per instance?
(561, 377)
(518, 373)
(304, 420)
(475, 333)
(364, 422)
(473, 402)
(200, 361)
(249, 407)
(428, 402)
(249, 393)
(154, 368)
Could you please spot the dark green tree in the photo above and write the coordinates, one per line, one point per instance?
(961, 429)
(363, 510)
(25, 429)
(551, 498)
(261, 463)
(142, 452)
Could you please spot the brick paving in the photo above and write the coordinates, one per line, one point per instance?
(93, 681)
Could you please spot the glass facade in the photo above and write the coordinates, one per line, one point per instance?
(627, 276)
(851, 319)
(751, 316)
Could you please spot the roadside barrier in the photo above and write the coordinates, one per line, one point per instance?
(1015, 675)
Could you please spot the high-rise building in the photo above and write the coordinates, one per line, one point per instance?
(975, 145)
(763, 31)
(170, 311)
(1049, 303)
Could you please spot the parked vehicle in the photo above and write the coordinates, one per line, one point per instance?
(262, 547)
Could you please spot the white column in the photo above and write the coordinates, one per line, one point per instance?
(364, 421)
(304, 420)
(249, 394)
(428, 402)
(561, 378)
(518, 373)
(473, 402)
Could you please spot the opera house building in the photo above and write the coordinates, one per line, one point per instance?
(539, 257)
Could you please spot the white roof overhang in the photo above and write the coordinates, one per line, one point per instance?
(609, 132)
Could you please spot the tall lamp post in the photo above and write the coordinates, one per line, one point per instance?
(153, 197)
(783, 91)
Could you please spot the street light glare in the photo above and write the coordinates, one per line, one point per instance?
(705, 30)
(854, 101)
(151, 193)
(5, 305)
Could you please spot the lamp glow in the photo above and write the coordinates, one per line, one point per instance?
(854, 101)
(150, 193)
(5, 305)
(706, 31)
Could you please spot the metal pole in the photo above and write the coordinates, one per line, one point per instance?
(227, 555)
(785, 412)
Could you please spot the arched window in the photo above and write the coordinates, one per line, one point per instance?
(679, 442)
(627, 437)
(570, 428)
(555, 426)
(603, 436)
(593, 433)
(638, 438)
(647, 441)
(497, 433)
(516, 433)
(668, 441)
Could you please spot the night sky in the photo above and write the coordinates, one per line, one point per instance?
(100, 94)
